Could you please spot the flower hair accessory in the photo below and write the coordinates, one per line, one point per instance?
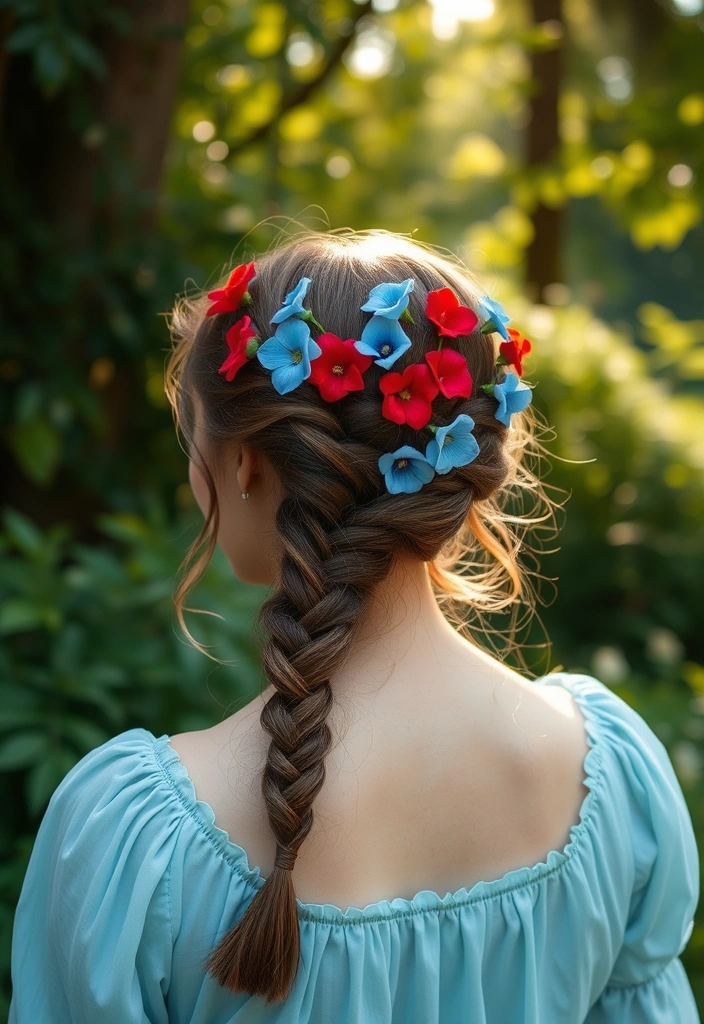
(288, 354)
(512, 396)
(495, 317)
(243, 343)
(383, 338)
(511, 353)
(234, 294)
(339, 369)
(293, 306)
(336, 366)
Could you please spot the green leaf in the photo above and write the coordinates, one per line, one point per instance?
(51, 66)
(22, 750)
(44, 777)
(84, 734)
(124, 526)
(86, 54)
(26, 37)
(37, 447)
(23, 532)
(12, 718)
(17, 615)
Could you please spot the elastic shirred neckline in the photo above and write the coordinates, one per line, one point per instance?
(427, 900)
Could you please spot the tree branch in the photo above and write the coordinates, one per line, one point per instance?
(299, 96)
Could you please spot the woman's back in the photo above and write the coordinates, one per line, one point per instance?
(458, 781)
(131, 880)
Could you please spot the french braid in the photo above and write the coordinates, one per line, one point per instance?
(338, 530)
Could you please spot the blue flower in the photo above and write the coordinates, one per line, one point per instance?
(497, 317)
(389, 300)
(384, 339)
(288, 354)
(405, 470)
(453, 445)
(293, 303)
(513, 396)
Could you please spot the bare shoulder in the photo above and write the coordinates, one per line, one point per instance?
(551, 745)
(508, 754)
(225, 762)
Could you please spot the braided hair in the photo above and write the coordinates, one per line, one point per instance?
(338, 530)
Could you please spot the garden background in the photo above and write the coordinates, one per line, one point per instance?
(556, 145)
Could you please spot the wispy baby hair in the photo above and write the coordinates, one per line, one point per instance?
(339, 526)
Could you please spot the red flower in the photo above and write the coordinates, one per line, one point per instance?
(444, 309)
(408, 395)
(237, 338)
(338, 370)
(228, 299)
(449, 368)
(513, 351)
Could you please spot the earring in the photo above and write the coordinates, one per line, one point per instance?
(245, 494)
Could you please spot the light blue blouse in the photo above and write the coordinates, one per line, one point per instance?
(130, 885)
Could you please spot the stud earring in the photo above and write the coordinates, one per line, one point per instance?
(245, 494)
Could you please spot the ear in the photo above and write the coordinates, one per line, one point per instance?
(248, 467)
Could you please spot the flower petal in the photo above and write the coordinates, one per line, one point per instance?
(453, 445)
(293, 303)
(286, 378)
(513, 396)
(392, 408)
(293, 334)
(459, 452)
(229, 298)
(273, 354)
(418, 411)
(389, 299)
(405, 479)
(496, 315)
(379, 333)
(449, 368)
(462, 321)
(439, 303)
(391, 383)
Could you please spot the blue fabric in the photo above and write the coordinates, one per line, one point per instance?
(131, 884)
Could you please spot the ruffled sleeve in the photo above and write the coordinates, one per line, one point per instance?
(648, 982)
(92, 935)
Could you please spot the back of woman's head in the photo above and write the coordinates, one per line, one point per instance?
(338, 527)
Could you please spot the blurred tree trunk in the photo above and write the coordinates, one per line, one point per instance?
(96, 188)
(133, 105)
(544, 256)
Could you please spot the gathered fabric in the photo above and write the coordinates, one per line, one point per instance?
(131, 884)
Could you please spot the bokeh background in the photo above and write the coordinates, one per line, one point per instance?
(556, 145)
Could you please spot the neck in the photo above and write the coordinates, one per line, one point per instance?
(403, 647)
(403, 640)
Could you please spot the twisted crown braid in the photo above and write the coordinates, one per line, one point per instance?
(338, 527)
(336, 366)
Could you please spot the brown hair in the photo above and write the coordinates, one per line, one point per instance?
(338, 527)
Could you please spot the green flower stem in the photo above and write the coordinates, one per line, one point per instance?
(488, 388)
(501, 360)
(406, 315)
(431, 427)
(246, 299)
(309, 318)
(251, 347)
(488, 327)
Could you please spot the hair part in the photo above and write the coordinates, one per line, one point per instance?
(338, 530)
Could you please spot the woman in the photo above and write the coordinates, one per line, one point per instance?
(357, 428)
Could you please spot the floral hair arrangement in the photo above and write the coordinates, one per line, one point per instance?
(336, 366)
